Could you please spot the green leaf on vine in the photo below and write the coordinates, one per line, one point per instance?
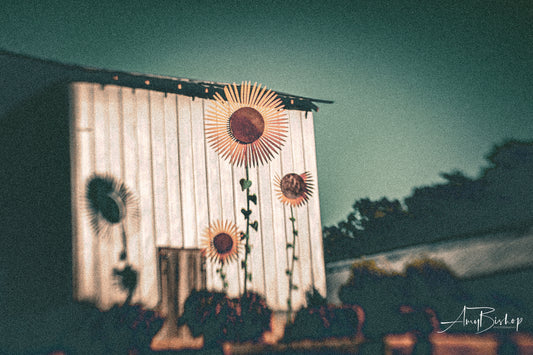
(245, 184)
(254, 225)
(253, 198)
(246, 213)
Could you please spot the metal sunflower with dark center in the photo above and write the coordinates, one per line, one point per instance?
(293, 190)
(221, 242)
(248, 127)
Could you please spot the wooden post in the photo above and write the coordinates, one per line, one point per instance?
(180, 272)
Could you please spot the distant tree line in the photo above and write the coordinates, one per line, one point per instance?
(500, 198)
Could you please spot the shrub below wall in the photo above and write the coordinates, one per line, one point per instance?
(81, 328)
(220, 319)
(327, 321)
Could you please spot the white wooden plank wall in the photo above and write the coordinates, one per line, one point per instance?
(155, 143)
(233, 199)
(147, 282)
(131, 173)
(84, 243)
(313, 212)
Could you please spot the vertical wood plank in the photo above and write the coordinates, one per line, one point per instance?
(315, 225)
(159, 168)
(187, 172)
(115, 160)
(85, 286)
(239, 202)
(115, 135)
(199, 164)
(173, 171)
(106, 257)
(303, 262)
(280, 239)
(227, 199)
(215, 207)
(148, 276)
(130, 176)
(266, 232)
(287, 166)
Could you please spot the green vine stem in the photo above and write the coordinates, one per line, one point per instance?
(290, 271)
(245, 185)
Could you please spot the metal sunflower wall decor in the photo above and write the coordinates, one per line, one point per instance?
(293, 190)
(112, 205)
(248, 127)
(222, 244)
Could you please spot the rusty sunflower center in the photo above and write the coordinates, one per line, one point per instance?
(292, 186)
(223, 243)
(246, 125)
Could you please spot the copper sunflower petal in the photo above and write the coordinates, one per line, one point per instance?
(293, 189)
(249, 127)
(221, 242)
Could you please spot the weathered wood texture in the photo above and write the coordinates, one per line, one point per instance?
(155, 143)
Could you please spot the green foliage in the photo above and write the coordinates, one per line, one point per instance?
(245, 184)
(252, 318)
(399, 302)
(138, 326)
(498, 199)
(290, 270)
(220, 318)
(314, 298)
(120, 330)
(430, 284)
(206, 313)
(322, 321)
(379, 293)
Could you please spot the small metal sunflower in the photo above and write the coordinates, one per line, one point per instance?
(109, 203)
(293, 189)
(222, 242)
(248, 127)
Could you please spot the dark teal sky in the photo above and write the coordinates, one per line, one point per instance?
(420, 87)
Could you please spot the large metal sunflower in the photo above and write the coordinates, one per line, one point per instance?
(222, 242)
(248, 127)
(293, 189)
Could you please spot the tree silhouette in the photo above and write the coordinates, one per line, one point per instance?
(499, 199)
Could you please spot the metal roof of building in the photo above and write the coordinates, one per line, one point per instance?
(187, 87)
